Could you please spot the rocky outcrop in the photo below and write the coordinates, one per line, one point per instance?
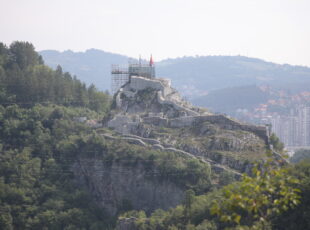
(220, 120)
(191, 152)
(153, 101)
(143, 96)
(150, 108)
(116, 185)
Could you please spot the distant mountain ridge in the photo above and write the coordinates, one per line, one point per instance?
(192, 76)
(230, 99)
(92, 66)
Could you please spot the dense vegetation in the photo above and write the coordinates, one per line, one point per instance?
(273, 198)
(37, 190)
(25, 80)
(36, 187)
(41, 139)
(38, 148)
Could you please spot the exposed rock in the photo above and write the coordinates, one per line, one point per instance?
(145, 105)
(154, 102)
(115, 185)
(194, 153)
(158, 121)
(144, 96)
(126, 224)
(151, 114)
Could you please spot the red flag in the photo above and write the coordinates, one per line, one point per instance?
(151, 61)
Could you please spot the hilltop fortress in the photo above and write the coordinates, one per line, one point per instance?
(155, 102)
(147, 111)
(144, 99)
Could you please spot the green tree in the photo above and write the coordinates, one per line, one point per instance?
(188, 202)
(258, 199)
(297, 218)
(23, 53)
(300, 155)
(276, 143)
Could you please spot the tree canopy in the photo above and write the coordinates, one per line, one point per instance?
(25, 80)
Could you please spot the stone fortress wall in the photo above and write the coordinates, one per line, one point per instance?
(166, 95)
(139, 83)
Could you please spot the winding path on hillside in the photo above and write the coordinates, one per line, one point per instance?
(155, 144)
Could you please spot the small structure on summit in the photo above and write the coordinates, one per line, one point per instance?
(122, 74)
(140, 97)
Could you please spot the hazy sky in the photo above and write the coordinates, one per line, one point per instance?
(274, 30)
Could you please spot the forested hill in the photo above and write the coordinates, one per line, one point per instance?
(59, 173)
(51, 163)
(192, 76)
(38, 107)
(195, 75)
(228, 100)
(25, 80)
(92, 66)
(46, 153)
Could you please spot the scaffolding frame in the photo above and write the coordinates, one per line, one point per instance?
(121, 74)
(120, 77)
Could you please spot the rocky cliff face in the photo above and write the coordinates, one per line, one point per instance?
(151, 115)
(117, 187)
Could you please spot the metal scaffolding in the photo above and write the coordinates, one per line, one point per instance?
(120, 77)
(121, 74)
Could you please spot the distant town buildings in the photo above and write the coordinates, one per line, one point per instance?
(287, 113)
(293, 129)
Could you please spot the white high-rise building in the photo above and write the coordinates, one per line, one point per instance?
(293, 130)
(304, 117)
